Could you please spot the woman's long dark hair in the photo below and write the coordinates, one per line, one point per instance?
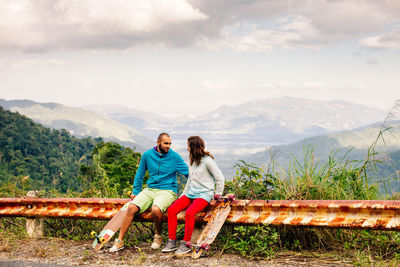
(197, 150)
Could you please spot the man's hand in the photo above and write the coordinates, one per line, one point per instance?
(132, 196)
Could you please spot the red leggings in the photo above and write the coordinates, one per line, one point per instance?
(193, 207)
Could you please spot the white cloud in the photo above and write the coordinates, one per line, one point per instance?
(214, 86)
(88, 84)
(313, 85)
(122, 16)
(264, 85)
(285, 84)
(17, 24)
(253, 25)
(24, 63)
(294, 32)
(135, 84)
(372, 62)
(390, 39)
(30, 24)
(268, 25)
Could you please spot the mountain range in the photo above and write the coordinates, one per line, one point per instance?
(268, 121)
(78, 122)
(382, 140)
(386, 140)
(231, 132)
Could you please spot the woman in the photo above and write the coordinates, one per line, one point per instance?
(205, 180)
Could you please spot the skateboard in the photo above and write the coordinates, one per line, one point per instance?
(110, 229)
(216, 219)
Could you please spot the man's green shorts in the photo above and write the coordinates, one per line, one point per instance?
(151, 196)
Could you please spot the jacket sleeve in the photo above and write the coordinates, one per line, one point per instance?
(181, 166)
(216, 172)
(138, 182)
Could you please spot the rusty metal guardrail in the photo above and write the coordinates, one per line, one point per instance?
(355, 214)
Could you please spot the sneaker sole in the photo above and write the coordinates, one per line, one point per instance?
(116, 249)
(169, 250)
(182, 252)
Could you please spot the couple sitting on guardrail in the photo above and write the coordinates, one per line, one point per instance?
(205, 180)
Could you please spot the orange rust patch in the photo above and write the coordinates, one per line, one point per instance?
(327, 213)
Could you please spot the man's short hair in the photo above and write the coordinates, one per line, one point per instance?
(161, 136)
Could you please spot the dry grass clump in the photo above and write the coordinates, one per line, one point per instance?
(6, 245)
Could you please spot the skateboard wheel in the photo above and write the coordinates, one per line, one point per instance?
(188, 244)
(102, 240)
(205, 246)
(93, 234)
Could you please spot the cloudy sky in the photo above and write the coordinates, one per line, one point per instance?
(190, 57)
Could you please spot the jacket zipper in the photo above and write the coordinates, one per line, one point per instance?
(159, 163)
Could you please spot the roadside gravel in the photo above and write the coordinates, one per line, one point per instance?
(46, 252)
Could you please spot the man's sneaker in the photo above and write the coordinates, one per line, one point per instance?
(171, 246)
(183, 249)
(118, 245)
(157, 241)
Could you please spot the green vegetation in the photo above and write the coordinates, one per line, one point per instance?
(33, 157)
(340, 178)
(79, 121)
(56, 164)
(353, 145)
(389, 167)
(46, 159)
(111, 171)
(72, 229)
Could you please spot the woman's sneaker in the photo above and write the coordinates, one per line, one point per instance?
(157, 241)
(171, 246)
(118, 245)
(183, 249)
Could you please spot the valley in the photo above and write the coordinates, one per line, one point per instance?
(252, 131)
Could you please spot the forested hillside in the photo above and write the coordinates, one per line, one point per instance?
(79, 122)
(41, 157)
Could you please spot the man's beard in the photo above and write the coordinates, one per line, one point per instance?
(162, 150)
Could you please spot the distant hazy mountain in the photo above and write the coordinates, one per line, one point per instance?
(284, 120)
(359, 140)
(280, 120)
(231, 132)
(79, 122)
(146, 122)
(235, 132)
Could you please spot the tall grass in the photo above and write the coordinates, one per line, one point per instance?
(340, 178)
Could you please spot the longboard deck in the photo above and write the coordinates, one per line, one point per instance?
(217, 218)
(111, 228)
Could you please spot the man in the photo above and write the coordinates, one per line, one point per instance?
(162, 163)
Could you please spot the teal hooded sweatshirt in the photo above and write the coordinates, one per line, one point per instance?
(162, 168)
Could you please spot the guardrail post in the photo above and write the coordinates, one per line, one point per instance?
(34, 227)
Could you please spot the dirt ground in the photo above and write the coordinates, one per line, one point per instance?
(66, 252)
